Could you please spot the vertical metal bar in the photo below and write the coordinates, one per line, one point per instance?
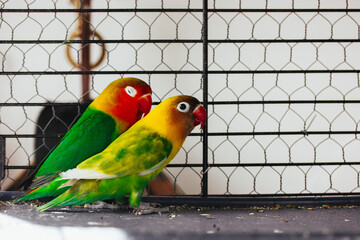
(205, 97)
(2, 158)
(85, 48)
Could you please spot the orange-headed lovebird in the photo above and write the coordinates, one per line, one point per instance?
(122, 103)
(126, 166)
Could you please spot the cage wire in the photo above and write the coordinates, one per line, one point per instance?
(279, 79)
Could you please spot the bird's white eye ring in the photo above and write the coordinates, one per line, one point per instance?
(183, 107)
(131, 91)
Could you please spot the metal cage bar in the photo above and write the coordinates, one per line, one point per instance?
(204, 37)
(2, 158)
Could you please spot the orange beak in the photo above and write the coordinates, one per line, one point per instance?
(145, 103)
(200, 115)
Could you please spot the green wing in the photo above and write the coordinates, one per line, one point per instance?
(91, 134)
(137, 151)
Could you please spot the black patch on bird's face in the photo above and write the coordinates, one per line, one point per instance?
(186, 119)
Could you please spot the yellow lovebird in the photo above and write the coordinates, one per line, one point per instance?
(126, 166)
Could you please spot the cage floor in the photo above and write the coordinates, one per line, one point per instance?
(185, 223)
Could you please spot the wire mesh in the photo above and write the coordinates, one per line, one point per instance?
(279, 79)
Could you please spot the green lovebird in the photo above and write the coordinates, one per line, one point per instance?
(126, 166)
(122, 103)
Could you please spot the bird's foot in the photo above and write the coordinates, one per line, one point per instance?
(149, 208)
(103, 205)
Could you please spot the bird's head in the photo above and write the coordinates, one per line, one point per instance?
(127, 100)
(177, 116)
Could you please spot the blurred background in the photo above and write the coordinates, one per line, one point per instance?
(281, 85)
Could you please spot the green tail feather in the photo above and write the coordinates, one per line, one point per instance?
(84, 191)
(63, 200)
(31, 195)
(49, 190)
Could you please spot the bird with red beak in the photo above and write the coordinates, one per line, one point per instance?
(126, 166)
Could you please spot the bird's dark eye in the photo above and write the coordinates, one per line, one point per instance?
(131, 91)
(183, 107)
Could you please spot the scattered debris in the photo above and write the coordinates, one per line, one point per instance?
(98, 223)
(102, 205)
(217, 228)
(172, 215)
(278, 231)
(347, 220)
(208, 216)
(2, 203)
(93, 223)
(146, 209)
(285, 220)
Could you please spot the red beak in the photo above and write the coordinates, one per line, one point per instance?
(145, 103)
(200, 115)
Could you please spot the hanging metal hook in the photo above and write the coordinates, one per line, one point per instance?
(77, 34)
